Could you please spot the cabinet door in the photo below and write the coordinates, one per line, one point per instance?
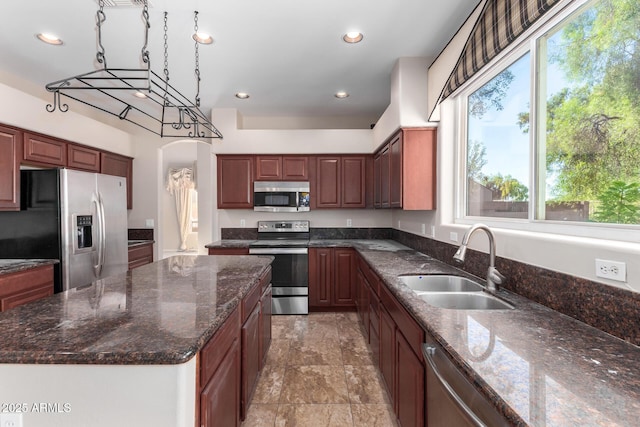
(268, 168)
(41, 150)
(83, 158)
(344, 277)
(328, 182)
(220, 398)
(235, 182)
(25, 286)
(114, 164)
(377, 174)
(10, 157)
(295, 168)
(265, 324)
(384, 177)
(395, 171)
(353, 176)
(251, 358)
(387, 352)
(410, 385)
(320, 277)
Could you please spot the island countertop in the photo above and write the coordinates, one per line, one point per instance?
(8, 266)
(160, 313)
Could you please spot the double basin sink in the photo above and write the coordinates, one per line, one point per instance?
(454, 292)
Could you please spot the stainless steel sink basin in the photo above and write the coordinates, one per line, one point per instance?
(465, 300)
(426, 283)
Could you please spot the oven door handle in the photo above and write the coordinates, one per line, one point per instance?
(278, 251)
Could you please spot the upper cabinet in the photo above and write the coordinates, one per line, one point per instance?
(341, 181)
(282, 168)
(41, 150)
(10, 157)
(405, 170)
(235, 182)
(115, 164)
(84, 158)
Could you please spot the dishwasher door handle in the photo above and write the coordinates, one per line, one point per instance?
(429, 351)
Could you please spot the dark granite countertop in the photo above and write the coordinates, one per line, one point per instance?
(159, 313)
(536, 365)
(230, 244)
(8, 266)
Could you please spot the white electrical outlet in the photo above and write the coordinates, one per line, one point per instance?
(433, 231)
(10, 420)
(613, 270)
(349, 222)
(148, 223)
(453, 236)
(424, 229)
(243, 223)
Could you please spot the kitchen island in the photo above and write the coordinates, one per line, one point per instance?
(122, 351)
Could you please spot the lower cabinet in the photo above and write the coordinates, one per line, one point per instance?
(140, 254)
(231, 361)
(220, 376)
(332, 279)
(25, 286)
(396, 338)
(228, 251)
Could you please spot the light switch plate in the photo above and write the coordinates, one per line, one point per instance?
(148, 223)
(10, 420)
(453, 236)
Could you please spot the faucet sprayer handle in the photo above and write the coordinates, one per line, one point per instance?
(495, 275)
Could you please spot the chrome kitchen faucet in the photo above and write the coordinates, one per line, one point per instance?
(494, 278)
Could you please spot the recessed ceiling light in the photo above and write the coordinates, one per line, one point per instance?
(341, 94)
(202, 38)
(242, 95)
(140, 94)
(49, 39)
(352, 37)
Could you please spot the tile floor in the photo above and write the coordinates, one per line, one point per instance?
(319, 372)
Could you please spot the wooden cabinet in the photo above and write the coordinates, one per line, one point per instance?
(341, 181)
(282, 168)
(140, 254)
(332, 278)
(83, 158)
(40, 150)
(251, 358)
(405, 170)
(115, 164)
(228, 251)
(220, 379)
(10, 157)
(387, 361)
(410, 377)
(265, 323)
(235, 182)
(25, 286)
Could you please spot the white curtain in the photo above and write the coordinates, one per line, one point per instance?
(180, 182)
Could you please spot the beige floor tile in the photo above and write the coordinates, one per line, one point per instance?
(314, 384)
(312, 351)
(260, 415)
(269, 384)
(347, 316)
(373, 415)
(355, 352)
(282, 327)
(349, 329)
(314, 416)
(315, 329)
(365, 384)
(278, 352)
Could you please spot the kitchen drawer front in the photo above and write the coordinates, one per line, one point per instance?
(265, 280)
(216, 349)
(25, 286)
(228, 251)
(140, 255)
(250, 300)
(26, 297)
(409, 328)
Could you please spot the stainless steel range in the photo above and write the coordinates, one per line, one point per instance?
(288, 242)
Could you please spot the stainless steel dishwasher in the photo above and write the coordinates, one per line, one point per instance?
(451, 399)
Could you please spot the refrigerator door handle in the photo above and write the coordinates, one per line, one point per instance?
(101, 236)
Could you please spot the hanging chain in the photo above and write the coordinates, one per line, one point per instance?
(100, 18)
(195, 19)
(166, 48)
(147, 25)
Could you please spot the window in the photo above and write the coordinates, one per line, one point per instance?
(571, 151)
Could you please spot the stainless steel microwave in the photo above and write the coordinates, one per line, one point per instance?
(280, 196)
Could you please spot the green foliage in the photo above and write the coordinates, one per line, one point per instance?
(509, 187)
(490, 95)
(619, 204)
(476, 159)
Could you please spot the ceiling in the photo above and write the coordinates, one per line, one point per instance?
(288, 55)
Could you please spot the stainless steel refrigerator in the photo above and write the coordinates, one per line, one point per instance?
(79, 218)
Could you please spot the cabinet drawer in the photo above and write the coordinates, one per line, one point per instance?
(250, 300)
(140, 255)
(409, 328)
(228, 251)
(25, 297)
(25, 286)
(216, 349)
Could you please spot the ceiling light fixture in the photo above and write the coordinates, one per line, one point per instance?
(163, 110)
(202, 38)
(49, 39)
(353, 37)
(342, 94)
(242, 95)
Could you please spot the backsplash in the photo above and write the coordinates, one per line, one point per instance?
(610, 309)
(350, 233)
(140, 234)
